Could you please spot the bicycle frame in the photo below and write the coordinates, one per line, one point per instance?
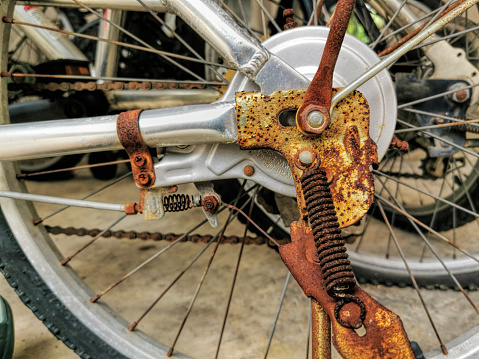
(217, 123)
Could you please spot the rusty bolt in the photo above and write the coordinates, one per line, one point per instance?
(461, 95)
(210, 202)
(400, 145)
(248, 170)
(132, 208)
(144, 179)
(290, 23)
(139, 160)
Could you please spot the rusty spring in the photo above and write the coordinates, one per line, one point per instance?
(179, 202)
(331, 252)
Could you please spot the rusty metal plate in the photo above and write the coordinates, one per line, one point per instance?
(345, 148)
(385, 336)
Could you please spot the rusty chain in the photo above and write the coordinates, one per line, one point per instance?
(106, 86)
(156, 236)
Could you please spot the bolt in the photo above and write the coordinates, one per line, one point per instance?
(248, 170)
(306, 158)
(461, 95)
(315, 119)
(139, 160)
(144, 179)
(210, 202)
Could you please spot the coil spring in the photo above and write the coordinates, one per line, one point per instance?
(473, 128)
(177, 202)
(331, 252)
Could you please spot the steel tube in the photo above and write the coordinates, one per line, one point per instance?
(236, 46)
(63, 201)
(53, 45)
(196, 124)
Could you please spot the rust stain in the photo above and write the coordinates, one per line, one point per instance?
(318, 95)
(345, 148)
(140, 158)
(385, 335)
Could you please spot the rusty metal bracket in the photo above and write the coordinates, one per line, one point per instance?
(346, 151)
(385, 336)
(128, 131)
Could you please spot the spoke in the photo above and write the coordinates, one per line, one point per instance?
(217, 237)
(427, 194)
(265, 11)
(456, 120)
(235, 276)
(425, 99)
(285, 287)
(252, 222)
(435, 126)
(402, 50)
(438, 257)
(40, 220)
(68, 258)
(441, 139)
(136, 38)
(374, 44)
(433, 219)
(418, 222)
(457, 34)
(180, 39)
(413, 280)
(154, 256)
(95, 38)
(41, 173)
(149, 260)
(237, 18)
(401, 29)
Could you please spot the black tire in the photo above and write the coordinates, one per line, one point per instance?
(37, 296)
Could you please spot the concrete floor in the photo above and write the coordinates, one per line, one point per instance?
(261, 279)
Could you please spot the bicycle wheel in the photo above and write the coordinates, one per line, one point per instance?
(61, 297)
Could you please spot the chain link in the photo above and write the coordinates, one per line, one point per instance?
(170, 237)
(106, 86)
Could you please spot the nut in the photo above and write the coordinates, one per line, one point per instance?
(248, 170)
(210, 202)
(319, 123)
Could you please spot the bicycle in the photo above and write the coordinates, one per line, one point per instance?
(192, 138)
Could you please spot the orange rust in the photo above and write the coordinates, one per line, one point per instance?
(130, 138)
(385, 335)
(318, 95)
(345, 148)
(248, 170)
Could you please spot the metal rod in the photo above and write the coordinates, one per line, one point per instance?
(443, 347)
(64, 201)
(391, 59)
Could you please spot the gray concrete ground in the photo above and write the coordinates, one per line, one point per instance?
(260, 281)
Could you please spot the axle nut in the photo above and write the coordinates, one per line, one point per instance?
(210, 202)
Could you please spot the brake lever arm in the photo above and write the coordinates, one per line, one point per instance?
(313, 117)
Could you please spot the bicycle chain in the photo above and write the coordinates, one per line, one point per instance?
(106, 86)
(170, 237)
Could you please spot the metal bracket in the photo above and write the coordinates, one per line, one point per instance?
(128, 131)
